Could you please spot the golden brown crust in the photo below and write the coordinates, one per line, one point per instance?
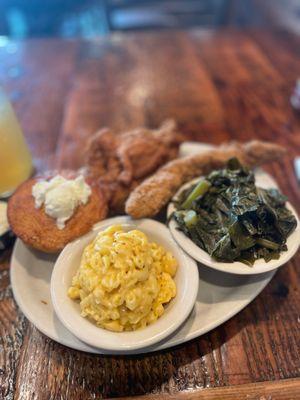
(119, 162)
(39, 230)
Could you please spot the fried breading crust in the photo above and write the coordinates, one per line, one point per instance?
(119, 162)
(153, 194)
(38, 230)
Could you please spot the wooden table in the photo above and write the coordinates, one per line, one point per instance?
(219, 86)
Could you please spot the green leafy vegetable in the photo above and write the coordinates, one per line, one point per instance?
(233, 220)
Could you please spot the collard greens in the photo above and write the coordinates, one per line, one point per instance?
(233, 220)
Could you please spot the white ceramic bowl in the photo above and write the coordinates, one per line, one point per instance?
(68, 311)
(263, 180)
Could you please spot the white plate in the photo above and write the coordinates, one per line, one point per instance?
(263, 180)
(220, 295)
(176, 312)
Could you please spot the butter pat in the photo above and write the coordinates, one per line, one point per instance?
(61, 197)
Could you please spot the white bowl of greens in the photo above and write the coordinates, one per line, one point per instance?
(235, 221)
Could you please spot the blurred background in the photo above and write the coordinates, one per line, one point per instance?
(88, 18)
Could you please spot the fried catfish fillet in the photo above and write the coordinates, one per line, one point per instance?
(119, 162)
(38, 230)
(153, 194)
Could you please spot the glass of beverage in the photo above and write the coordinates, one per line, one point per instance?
(15, 159)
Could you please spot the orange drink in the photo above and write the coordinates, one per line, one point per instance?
(15, 159)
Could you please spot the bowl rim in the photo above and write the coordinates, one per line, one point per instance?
(88, 332)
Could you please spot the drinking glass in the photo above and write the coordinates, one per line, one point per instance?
(15, 159)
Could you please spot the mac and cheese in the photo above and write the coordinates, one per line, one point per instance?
(124, 280)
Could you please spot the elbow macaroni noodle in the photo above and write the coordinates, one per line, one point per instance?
(123, 280)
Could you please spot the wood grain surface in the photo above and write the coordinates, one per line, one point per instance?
(219, 86)
(286, 389)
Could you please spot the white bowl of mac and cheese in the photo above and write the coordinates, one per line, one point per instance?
(124, 286)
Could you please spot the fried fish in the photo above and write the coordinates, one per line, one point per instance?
(147, 199)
